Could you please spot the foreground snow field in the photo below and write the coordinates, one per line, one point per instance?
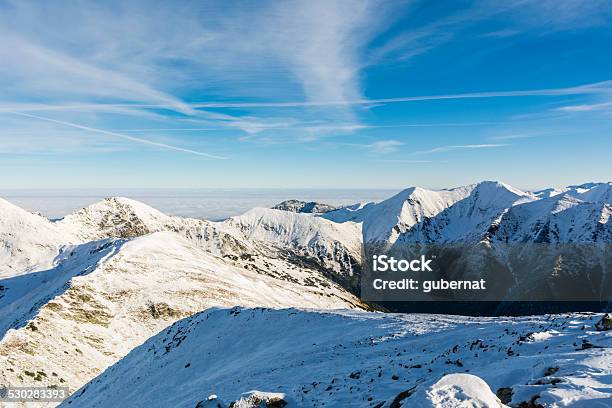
(362, 359)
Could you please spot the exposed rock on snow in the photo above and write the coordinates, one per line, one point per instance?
(605, 323)
(333, 246)
(258, 399)
(114, 217)
(310, 207)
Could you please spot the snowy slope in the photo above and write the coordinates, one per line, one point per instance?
(561, 218)
(259, 232)
(27, 241)
(92, 310)
(360, 359)
(22, 295)
(596, 193)
(590, 189)
(106, 278)
(30, 242)
(334, 246)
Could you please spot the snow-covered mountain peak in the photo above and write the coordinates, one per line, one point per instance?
(585, 186)
(114, 217)
(585, 191)
(383, 222)
(109, 296)
(78, 294)
(598, 193)
(562, 218)
(498, 192)
(469, 215)
(334, 246)
(548, 192)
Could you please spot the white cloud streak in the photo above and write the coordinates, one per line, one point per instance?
(121, 135)
(516, 136)
(586, 107)
(385, 146)
(59, 73)
(598, 88)
(403, 161)
(442, 149)
(604, 87)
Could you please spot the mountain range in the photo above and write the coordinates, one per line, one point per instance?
(77, 295)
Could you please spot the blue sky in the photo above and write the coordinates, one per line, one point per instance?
(325, 94)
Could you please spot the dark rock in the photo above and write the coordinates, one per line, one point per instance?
(550, 371)
(397, 401)
(532, 403)
(504, 394)
(298, 206)
(605, 323)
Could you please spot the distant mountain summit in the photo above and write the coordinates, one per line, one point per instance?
(486, 210)
(310, 207)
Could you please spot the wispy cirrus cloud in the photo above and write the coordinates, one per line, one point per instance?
(512, 18)
(41, 69)
(597, 88)
(121, 136)
(517, 136)
(450, 148)
(291, 70)
(603, 106)
(311, 48)
(408, 161)
(385, 146)
(379, 147)
(132, 58)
